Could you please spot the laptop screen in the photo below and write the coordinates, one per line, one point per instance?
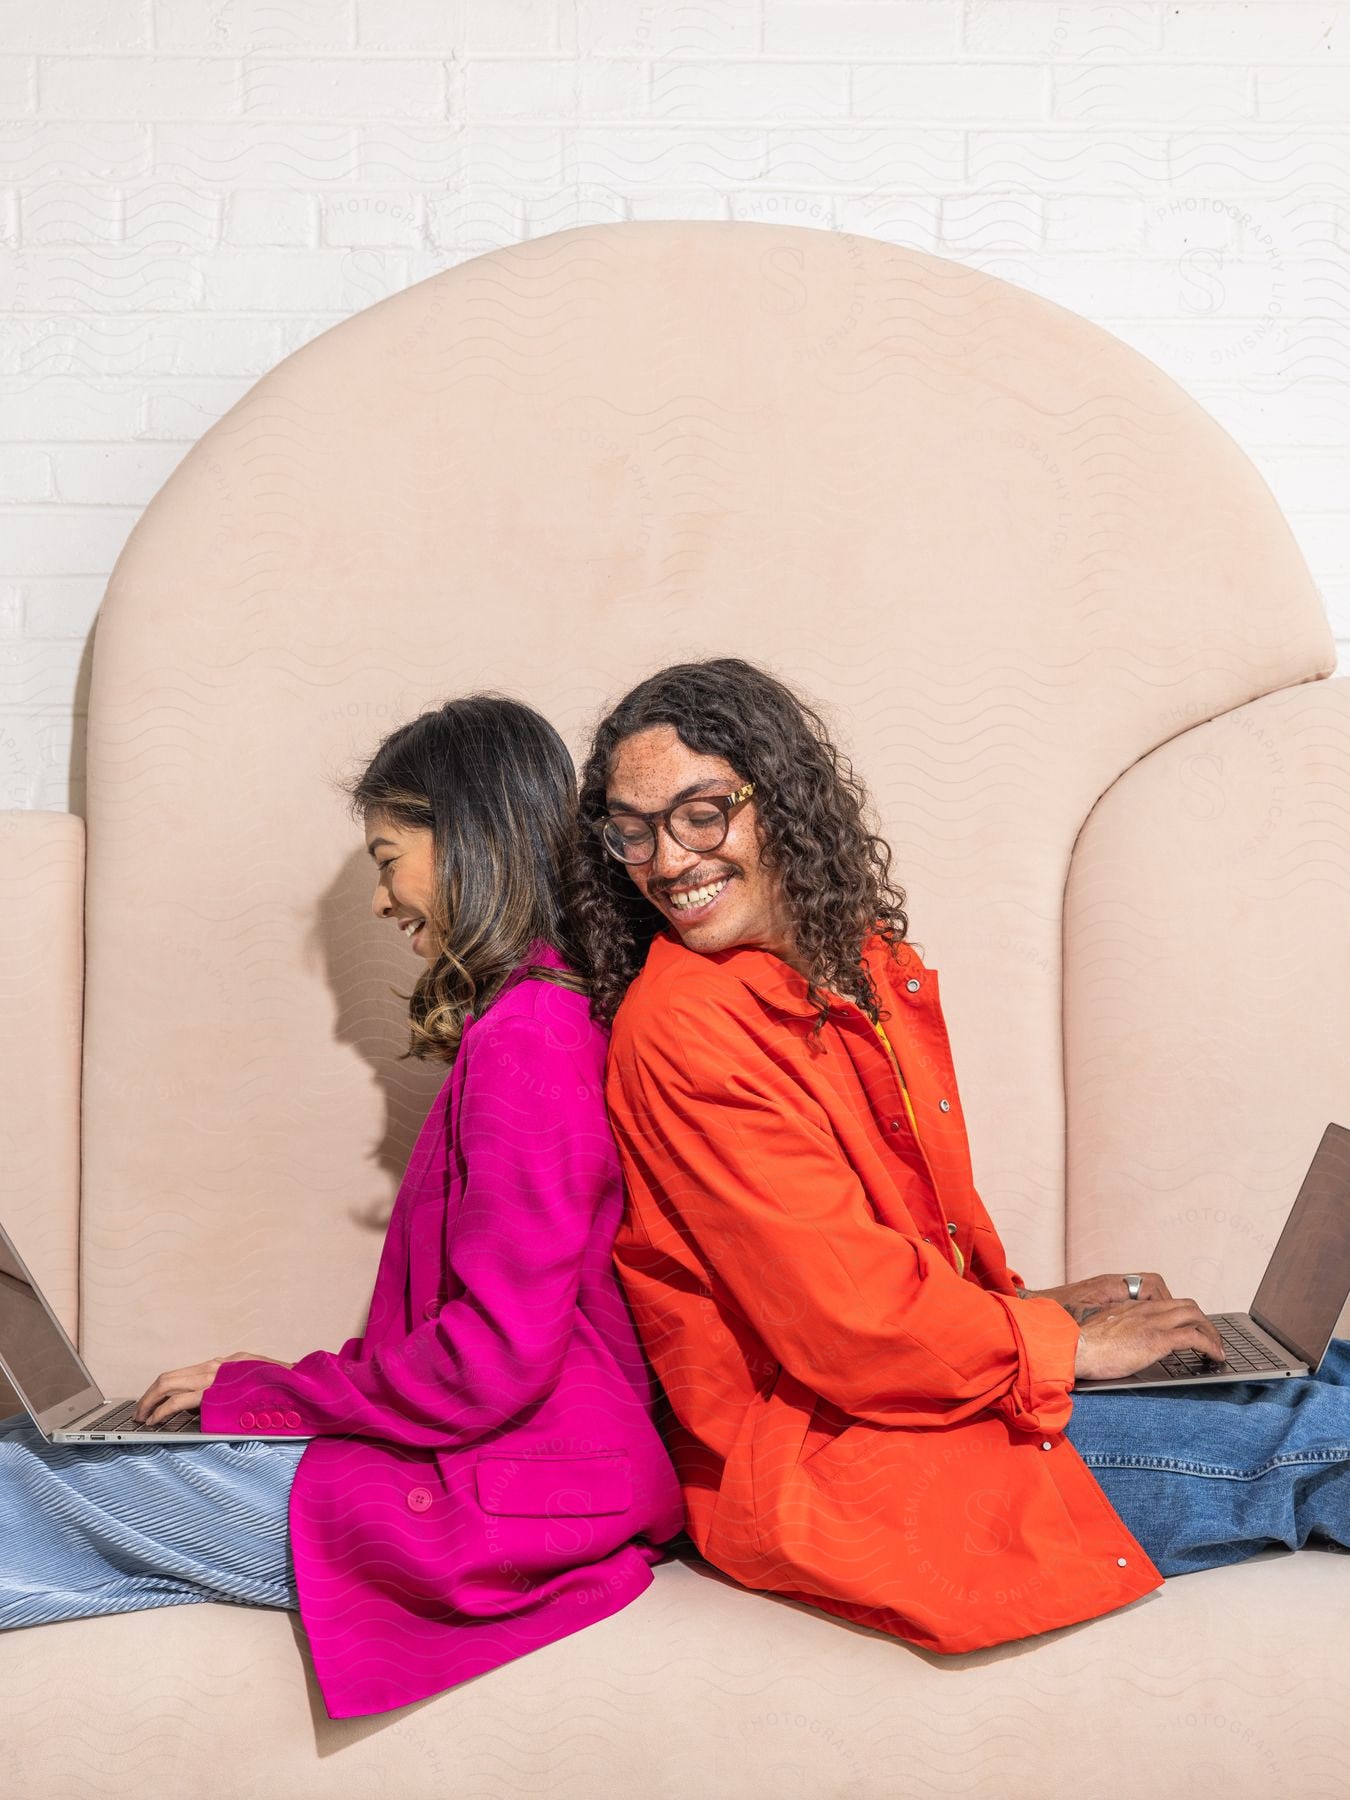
(1308, 1276)
(44, 1367)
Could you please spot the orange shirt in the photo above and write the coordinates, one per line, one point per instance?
(909, 1111)
(863, 1415)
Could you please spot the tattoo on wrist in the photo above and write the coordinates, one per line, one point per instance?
(1082, 1313)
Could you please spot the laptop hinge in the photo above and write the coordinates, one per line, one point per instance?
(1290, 1349)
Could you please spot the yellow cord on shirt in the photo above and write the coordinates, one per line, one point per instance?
(960, 1260)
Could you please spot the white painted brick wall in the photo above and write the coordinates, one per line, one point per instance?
(191, 189)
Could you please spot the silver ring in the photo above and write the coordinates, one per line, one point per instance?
(1133, 1283)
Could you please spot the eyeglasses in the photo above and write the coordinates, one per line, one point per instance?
(700, 824)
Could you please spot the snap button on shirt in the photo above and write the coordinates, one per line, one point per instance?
(1045, 1445)
(945, 1105)
(431, 1308)
(912, 985)
(419, 1499)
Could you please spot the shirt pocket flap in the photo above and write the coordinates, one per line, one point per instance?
(554, 1487)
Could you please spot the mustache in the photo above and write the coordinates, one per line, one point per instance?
(665, 888)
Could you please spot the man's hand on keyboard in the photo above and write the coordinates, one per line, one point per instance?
(181, 1390)
(1123, 1338)
(1101, 1290)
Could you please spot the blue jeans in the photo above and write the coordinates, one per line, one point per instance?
(87, 1529)
(1210, 1475)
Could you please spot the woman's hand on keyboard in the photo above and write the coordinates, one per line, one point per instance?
(181, 1390)
(1122, 1339)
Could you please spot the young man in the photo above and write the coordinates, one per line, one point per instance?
(868, 1410)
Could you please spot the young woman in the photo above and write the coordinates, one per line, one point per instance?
(483, 1474)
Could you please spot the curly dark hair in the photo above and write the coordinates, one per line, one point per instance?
(835, 871)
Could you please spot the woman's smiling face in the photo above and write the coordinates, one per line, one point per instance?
(647, 772)
(405, 859)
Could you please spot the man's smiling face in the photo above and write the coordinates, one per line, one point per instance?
(739, 901)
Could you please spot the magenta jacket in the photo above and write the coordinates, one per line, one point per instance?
(486, 1475)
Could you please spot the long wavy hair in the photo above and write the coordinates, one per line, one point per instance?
(810, 807)
(496, 786)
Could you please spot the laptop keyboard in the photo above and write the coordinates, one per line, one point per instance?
(123, 1418)
(1242, 1352)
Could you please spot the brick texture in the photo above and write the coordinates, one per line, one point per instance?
(191, 189)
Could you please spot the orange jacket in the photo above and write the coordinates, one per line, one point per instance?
(862, 1418)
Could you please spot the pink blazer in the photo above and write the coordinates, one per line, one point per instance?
(486, 1475)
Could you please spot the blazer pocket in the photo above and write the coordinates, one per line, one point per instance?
(554, 1487)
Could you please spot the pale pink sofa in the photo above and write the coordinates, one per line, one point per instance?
(1064, 631)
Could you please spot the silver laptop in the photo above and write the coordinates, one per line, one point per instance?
(49, 1375)
(1302, 1293)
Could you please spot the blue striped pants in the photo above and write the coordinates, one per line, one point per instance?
(87, 1529)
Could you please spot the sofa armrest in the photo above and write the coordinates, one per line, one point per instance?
(41, 1015)
(1206, 963)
